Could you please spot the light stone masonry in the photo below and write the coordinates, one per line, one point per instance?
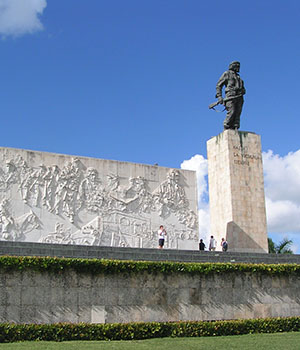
(236, 191)
(43, 297)
(55, 198)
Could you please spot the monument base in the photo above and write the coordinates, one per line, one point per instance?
(236, 191)
(240, 241)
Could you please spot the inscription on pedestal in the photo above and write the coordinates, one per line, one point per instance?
(242, 157)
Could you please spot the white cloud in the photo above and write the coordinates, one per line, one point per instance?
(282, 189)
(283, 216)
(204, 223)
(282, 176)
(199, 164)
(18, 17)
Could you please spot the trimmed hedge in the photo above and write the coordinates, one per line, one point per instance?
(105, 266)
(130, 331)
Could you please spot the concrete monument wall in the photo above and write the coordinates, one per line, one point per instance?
(54, 198)
(33, 297)
(236, 191)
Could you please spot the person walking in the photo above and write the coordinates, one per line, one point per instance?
(201, 245)
(224, 245)
(212, 244)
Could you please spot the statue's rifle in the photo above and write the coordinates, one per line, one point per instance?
(214, 104)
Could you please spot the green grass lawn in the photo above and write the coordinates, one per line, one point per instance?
(276, 341)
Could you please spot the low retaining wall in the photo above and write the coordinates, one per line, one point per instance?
(31, 296)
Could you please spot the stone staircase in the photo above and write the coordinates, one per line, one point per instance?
(90, 252)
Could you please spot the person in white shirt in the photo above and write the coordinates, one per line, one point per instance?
(161, 236)
(212, 244)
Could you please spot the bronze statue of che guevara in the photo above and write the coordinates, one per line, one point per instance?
(234, 92)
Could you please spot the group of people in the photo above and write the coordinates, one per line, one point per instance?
(213, 244)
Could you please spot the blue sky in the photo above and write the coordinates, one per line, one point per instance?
(131, 81)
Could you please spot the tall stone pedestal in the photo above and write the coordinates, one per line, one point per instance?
(236, 191)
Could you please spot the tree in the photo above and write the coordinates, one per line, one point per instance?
(271, 246)
(282, 247)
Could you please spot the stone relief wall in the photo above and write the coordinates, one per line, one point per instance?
(55, 198)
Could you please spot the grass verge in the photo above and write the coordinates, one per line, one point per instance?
(276, 341)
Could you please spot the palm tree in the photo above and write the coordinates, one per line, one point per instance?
(282, 247)
(271, 246)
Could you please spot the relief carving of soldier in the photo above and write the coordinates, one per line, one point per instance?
(9, 176)
(6, 220)
(90, 191)
(171, 196)
(234, 92)
(50, 180)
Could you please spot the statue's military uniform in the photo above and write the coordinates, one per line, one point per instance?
(234, 91)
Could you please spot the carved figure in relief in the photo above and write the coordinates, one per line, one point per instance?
(115, 195)
(69, 203)
(171, 196)
(146, 202)
(187, 217)
(67, 189)
(192, 220)
(172, 237)
(191, 235)
(91, 192)
(50, 180)
(9, 176)
(16, 229)
(25, 178)
(141, 199)
(59, 195)
(114, 204)
(6, 220)
(61, 235)
(137, 184)
(88, 235)
(113, 182)
(123, 244)
(37, 184)
(27, 223)
(26, 187)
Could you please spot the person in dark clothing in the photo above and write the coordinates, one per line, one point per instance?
(224, 245)
(201, 245)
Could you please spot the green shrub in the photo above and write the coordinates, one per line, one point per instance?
(130, 331)
(105, 266)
